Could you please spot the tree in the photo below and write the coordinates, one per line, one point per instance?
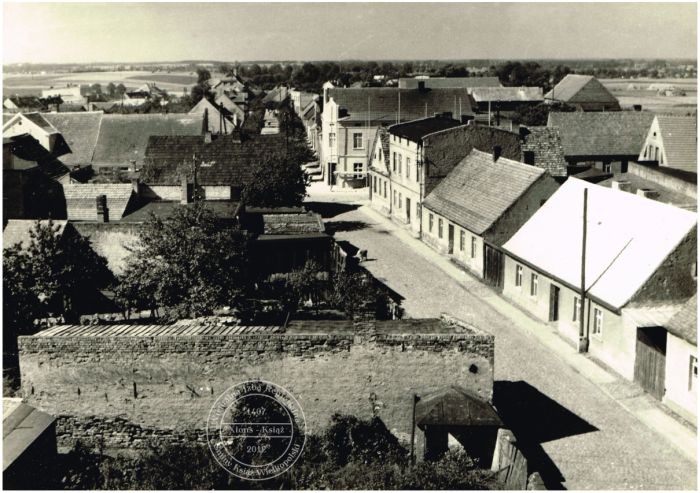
(120, 89)
(190, 265)
(111, 89)
(96, 88)
(278, 181)
(203, 75)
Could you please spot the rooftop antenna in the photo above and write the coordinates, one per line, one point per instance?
(398, 115)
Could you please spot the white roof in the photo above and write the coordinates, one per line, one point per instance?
(628, 238)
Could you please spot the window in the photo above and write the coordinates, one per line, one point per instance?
(661, 157)
(380, 154)
(597, 322)
(357, 141)
(384, 188)
(408, 167)
(394, 197)
(577, 309)
(693, 373)
(430, 223)
(606, 167)
(473, 246)
(331, 139)
(399, 164)
(357, 169)
(534, 280)
(439, 227)
(374, 184)
(529, 157)
(400, 200)
(518, 276)
(393, 162)
(461, 240)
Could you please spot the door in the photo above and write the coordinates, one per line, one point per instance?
(553, 303)
(408, 210)
(650, 360)
(493, 266)
(450, 238)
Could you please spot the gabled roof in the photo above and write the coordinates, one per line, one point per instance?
(81, 199)
(224, 161)
(27, 102)
(80, 131)
(628, 238)
(679, 134)
(123, 138)
(230, 106)
(455, 406)
(415, 130)
(581, 89)
(684, 324)
(27, 152)
(524, 94)
(478, 191)
(382, 103)
(450, 82)
(618, 133)
(17, 231)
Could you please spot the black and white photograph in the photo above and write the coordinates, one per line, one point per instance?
(349, 246)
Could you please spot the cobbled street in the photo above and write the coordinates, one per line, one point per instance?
(588, 440)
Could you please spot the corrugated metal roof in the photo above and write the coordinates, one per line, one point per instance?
(17, 231)
(680, 138)
(478, 190)
(617, 133)
(628, 239)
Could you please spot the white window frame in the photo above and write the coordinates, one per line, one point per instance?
(597, 323)
(518, 276)
(358, 174)
(430, 223)
(473, 247)
(408, 167)
(440, 227)
(577, 309)
(462, 239)
(331, 139)
(534, 284)
(355, 135)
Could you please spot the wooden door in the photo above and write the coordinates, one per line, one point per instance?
(451, 238)
(493, 266)
(553, 303)
(650, 360)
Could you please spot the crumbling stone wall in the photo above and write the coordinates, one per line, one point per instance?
(122, 390)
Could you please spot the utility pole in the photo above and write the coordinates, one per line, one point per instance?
(583, 337)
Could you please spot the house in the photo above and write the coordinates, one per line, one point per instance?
(219, 119)
(311, 118)
(672, 142)
(681, 371)
(277, 95)
(351, 117)
(606, 141)
(29, 449)
(494, 101)
(285, 238)
(69, 94)
(99, 202)
(541, 147)
(231, 85)
(640, 255)
(583, 92)
(300, 99)
(234, 108)
(224, 164)
(465, 218)
(80, 131)
(25, 104)
(271, 123)
(448, 82)
(31, 180)
(36, 125)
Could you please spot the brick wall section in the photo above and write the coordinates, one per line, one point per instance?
(674, 280)
(663, 179)
(122, 389)
(545, 143)
(443, 150)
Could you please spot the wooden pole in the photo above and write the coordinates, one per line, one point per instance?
(413, 430)
(583, 340)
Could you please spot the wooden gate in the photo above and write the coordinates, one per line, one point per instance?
(650, 360)
(493, 266)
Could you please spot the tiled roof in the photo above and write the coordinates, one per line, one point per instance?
(18, 230)
(618, 133)
(382, 103)
(417, 129)
(28, 150)
(524, 94)
(581, 89)
(684, 324)
(292, 224)
(450, 82)
(628, 238)
(40, 120)
(27, 102)
(123, 138)
(81, 199)
(230, 106)
(224, 161)
(478, 190)
(80, 132)
(163, 209)
(680, 137)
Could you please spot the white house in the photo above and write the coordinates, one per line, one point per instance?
(681, 372)
(672, 141)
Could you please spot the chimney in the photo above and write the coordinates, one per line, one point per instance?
(102, 211)
(496, 153)
(637, 107)
(622, 185)
(524, 132)
(207, 137)
(135, 185)
(185, 196)
(648, 193)
(421, 85)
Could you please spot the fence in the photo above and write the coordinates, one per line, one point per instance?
(510, 464)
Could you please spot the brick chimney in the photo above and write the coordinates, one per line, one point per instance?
(496, 153)
(135, 185)
(102, 211)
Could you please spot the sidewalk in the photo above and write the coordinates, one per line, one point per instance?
(638, 403)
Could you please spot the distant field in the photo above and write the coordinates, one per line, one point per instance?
(637, 91)
(167, 78)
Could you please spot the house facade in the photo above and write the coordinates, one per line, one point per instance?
(639, 256)
(464, 219)
(672, 142)
(681, 371)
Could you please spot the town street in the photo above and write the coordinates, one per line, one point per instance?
(588, 439)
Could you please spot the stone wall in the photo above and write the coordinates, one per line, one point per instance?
(121, 390)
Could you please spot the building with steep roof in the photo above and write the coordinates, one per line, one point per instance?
(464, 218)
(583, 92)
(493, 100)
(219, 119)
(80, 131)
(672, 141)
(351, 117)
(99, 202)
(448, 82)
(36, 125)
(15, 104)
(639, 256)
(607, 141)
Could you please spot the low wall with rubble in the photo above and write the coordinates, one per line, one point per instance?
(124, 390)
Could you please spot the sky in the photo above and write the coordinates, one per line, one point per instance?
(141, 32)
